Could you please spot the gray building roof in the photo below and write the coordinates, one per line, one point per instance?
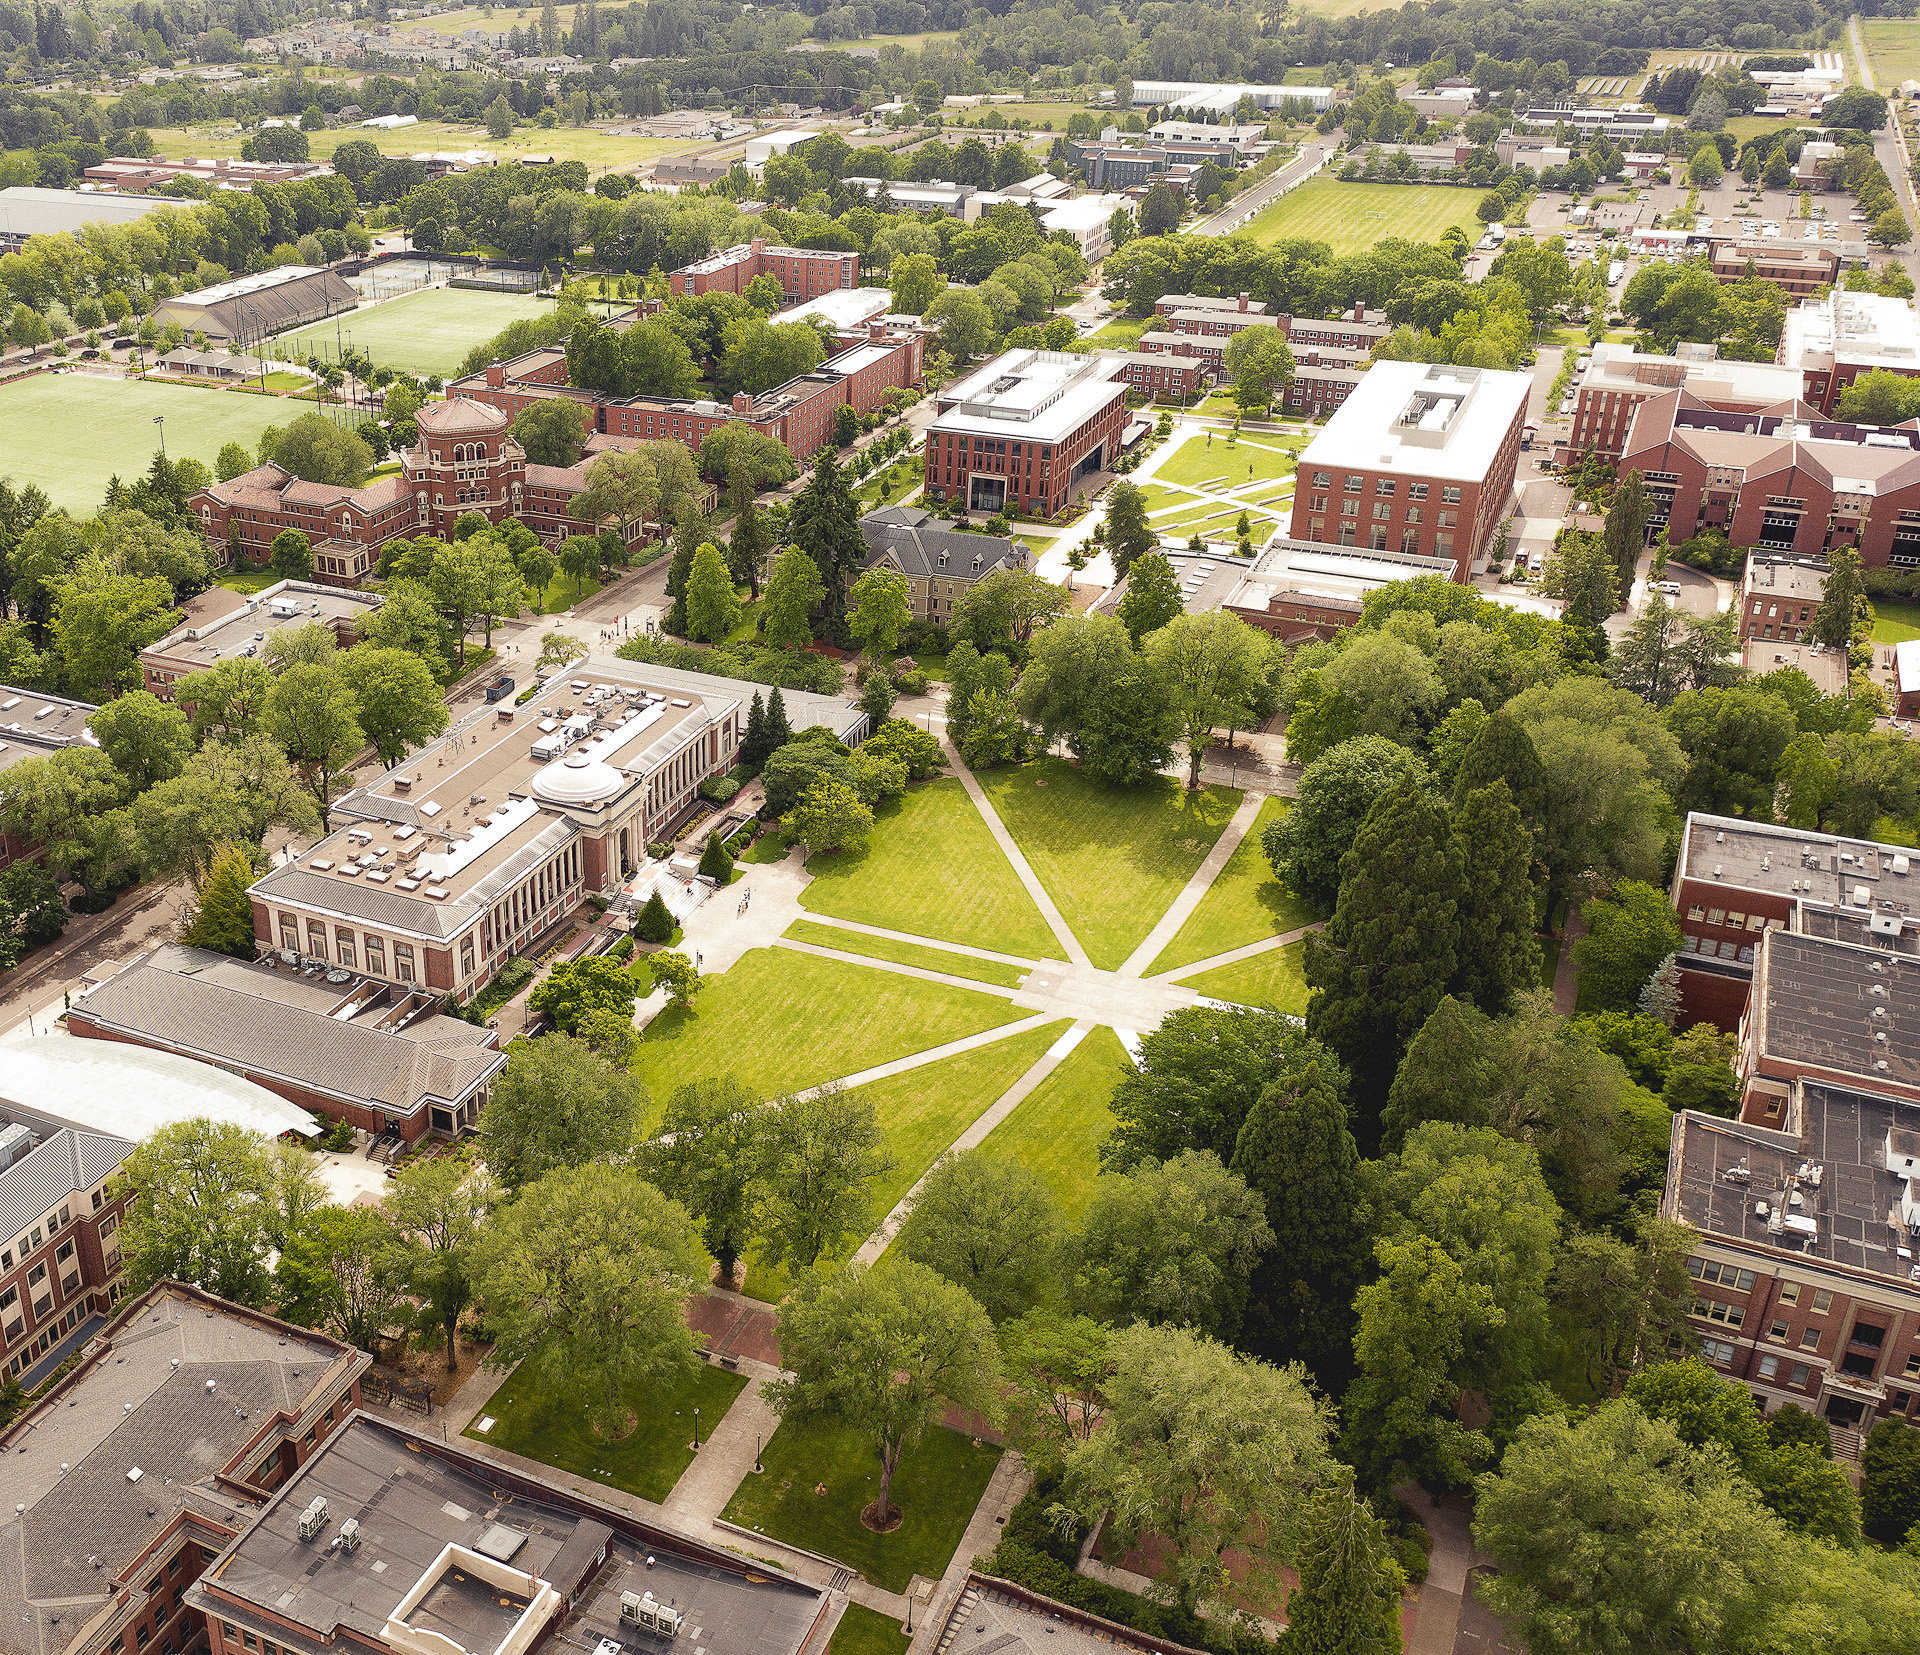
(921, 547)
(280, 1025)
(53, 1170)
(26, 210)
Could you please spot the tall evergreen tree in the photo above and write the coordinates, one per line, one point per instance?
(754, 746)
(747, 551)
(779, 731)
(1499, 956)
(688, 534)
(1504, 752)
(1388, 953)
(826, 526)
(1840, 595)
(1625, 534)
(1129, 535)
(1297, 1155)
(1348, 1599)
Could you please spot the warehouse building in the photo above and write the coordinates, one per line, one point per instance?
(27, 211)
(249, 308)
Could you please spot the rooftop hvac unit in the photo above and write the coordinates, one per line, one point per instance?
(314, 1518)
(350, 1535)
(640, 1609)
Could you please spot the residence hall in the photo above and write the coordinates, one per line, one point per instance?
(308, 1028)
(391, 1541)
(1830, 343)
(940, 564)
(1419, 460)
(482, 845)
(1778, 597)
(1020, 432)
(34, 725)
(1808, 1205)
(222, 624)
(1221, 317)
(802, 272)
(1737, 879)
(128, 1478)
(886, 356)
(1784, 481)
(1617, 380)
(1800, 269)
(465, 461)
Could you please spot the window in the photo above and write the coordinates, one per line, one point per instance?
(403, 961)
(1717, 1351)
(1349, 508)
(1449, 520)
(1416, 491)
(1913, 1366)
(1713, 1310)
(317, 938)
(1790, 1293)
(1810, 1340)
(1725, 1275)
(1769, 1366)
(1822, 1302)
(1353, 484)
(1381, 510)
(376, 956)
(343, 945)
(1450, 496)
(1413, 514)
(1798, 1378)
(1322, 479)
(1383, 487)
(1778, 1332)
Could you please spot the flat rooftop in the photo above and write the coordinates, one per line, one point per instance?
(33, 724)
(1617, 367)
(240, 286)
(843, 309)
(1855, 327)
(1840, 1007)
(222, 624)
(26, 209)
(1785, 578)
(1421, 420)
(1721, 1172)
(184, 1384)
(517, 1538)
(990, 1617)
(1827, 668)
(1033, 395)
(1819, 868)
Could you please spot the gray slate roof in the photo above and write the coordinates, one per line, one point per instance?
(50, 1172)
(918, 543)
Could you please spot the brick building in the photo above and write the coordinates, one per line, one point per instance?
(884, 356)
(1778, 596)
(464, 461)
(1320, 384)
(184, 1416)
(941, 564)
(373, 1053)
(1176, 374)
(1799, 269)
(1779, 481)
(1832, 341)
(222, 623)
(391, 1541)
(34, 725)
(802, 272)
(59, 1241)
(1419, 460)
(1616, 381)
(484, 845)
(1023, 430)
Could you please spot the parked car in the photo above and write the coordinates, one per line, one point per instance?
(1667, 588)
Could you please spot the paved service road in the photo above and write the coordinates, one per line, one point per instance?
(1264, 194)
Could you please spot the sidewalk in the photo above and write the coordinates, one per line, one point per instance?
(1011, 850)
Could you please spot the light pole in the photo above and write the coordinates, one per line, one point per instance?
(696, 1429)
(757, 1466)
(161, 421)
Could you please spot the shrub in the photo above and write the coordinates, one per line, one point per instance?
(715, 863)
(621, 951)
(719, 789)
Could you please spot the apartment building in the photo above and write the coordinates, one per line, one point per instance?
(802, 272)
(1020, 432)
(1800, 269)
(125, 1481)
(1418, 460)
(1779, 481)
(1617, 380)
(1778, 596)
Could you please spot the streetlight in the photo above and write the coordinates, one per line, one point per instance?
(757, 1466)
(696, 1428)
(161, 421)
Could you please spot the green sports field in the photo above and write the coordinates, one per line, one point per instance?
(71, 432)
(1354, 216)
(429, 332)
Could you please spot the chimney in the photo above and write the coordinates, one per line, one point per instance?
(759, 245)
(1243, 300)
(742, 402)
(876, 330)
(1360, 312)
(496, 376)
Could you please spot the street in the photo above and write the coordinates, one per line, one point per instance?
(1311, 159)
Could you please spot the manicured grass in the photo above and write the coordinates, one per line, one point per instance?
(1220, 466)
(864, 1631)
(1244, 904)
(783, 1020)
(1158, 498)
(1353, 217)
(769, 847)
(71, 432)
(1123, 332)
(939, 1482)
(921, 1113)
(1057, 1131)
(429, 331)
(1271, 979)
(931, 868)
(550, 1424)
(1895, 622)
(904, 953)
(600, 150)
(247, 581)
(1111, 858)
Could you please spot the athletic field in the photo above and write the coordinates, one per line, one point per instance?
(71, 432)
(1355, 216)
(429, 332)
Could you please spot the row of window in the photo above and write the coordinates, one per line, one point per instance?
(343, 950)
(1700, 914)
(45, 1340)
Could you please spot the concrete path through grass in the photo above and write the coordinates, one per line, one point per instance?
(1196, 888)
(1233, 956)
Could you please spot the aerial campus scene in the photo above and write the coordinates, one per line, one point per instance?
(895, 829)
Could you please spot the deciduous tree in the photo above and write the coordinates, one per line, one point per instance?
(822, 1152)
(396, 699)
(987, 1225)
(557, 1105)
(709, 1150)
(203, 1209)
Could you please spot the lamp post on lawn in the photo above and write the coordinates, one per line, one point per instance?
(161, 421)
(757, 1466)
(696, 1429)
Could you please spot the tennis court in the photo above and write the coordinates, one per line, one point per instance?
(428, 332)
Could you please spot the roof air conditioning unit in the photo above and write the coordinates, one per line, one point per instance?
(314, 1518)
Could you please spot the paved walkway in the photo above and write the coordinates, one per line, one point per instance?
(1189, 899)
(1010, 848)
